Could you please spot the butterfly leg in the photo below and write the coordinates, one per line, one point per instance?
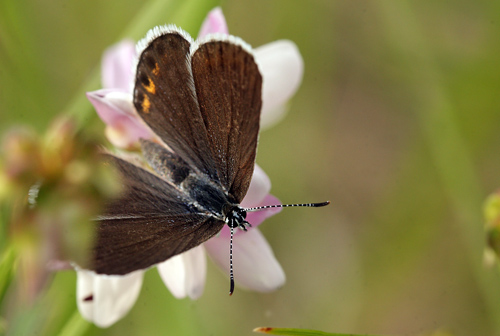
(244, 225)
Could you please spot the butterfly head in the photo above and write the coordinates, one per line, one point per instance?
(235, 217)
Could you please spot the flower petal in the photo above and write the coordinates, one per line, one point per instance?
(115, 108)
(254, 263)
(111, 105)
(260, 186)
(214, 23)
(185, 274)
(282, 68)
(117, 66)
(104, 299)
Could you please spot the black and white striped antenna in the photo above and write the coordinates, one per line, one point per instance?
(314, 205)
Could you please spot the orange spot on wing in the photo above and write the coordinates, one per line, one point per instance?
(146, 104)
(151, 87)
(156, 70)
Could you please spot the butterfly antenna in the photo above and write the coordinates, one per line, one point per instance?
(231, 276)
(314, 205)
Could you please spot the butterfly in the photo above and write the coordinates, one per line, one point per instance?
(203, 101)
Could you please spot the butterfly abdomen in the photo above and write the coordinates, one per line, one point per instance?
(165, 163)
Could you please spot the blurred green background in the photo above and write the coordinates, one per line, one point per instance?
(397, 122)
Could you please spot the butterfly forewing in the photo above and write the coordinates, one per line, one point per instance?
(229, 88)
(165, 99)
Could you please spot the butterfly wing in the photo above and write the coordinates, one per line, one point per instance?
(151, 222)
(229, 87)
(203, 100)
(165, 99)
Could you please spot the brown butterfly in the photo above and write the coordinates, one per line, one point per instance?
(203, 102)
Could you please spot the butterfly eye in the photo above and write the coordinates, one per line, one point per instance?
(240, 214)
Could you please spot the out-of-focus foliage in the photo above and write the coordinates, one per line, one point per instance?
(492, 217)
(53, 185)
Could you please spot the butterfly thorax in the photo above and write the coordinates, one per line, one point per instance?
(209, 197)
(206, 195)
(202, 192)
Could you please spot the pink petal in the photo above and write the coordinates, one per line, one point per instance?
(260, 186)
(112, 105)
(214, 23)
(104, 299)
(254, 263)
(184, 275)
(282, 68)
(116, 67)
(115, 108)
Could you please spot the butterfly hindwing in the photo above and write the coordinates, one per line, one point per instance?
(150, 222)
